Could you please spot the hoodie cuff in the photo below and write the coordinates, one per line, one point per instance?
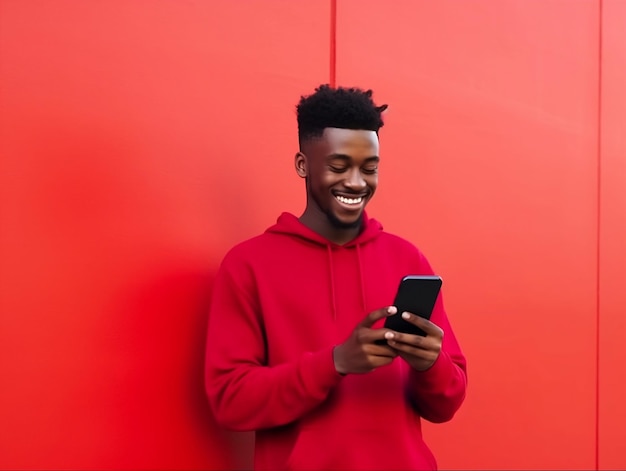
(319, 373)
(437, 376)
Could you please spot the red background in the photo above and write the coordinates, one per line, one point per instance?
(140, 140)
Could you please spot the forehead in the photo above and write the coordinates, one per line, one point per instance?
(351, 142)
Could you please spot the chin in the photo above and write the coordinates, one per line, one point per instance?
(341, 223)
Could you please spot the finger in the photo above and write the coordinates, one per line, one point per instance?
(424, 324)
(380, 350)
(375, 316)
(428, 343)
(377, 362)
(375, 336)
(419, 363)
(417, 341)
(414, 344)
(405, 349)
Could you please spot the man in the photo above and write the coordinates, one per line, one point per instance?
(296, 347)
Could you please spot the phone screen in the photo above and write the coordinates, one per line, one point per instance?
(416, 294)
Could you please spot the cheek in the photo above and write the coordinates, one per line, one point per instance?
(320, 183)
(372, 181)
(327, 179)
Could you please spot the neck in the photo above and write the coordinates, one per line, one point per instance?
(317, 221)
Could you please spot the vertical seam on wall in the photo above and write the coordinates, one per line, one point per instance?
(598, 234)
(333, 42)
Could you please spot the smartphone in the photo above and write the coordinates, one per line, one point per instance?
(416, 294)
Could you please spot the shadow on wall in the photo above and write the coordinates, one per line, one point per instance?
(109, 291)
(239, 446)
(167, 421)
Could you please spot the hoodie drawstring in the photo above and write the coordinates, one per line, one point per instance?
(329, 251)
(290, 226)
(358, 256)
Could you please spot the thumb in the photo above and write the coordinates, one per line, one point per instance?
(374, 316)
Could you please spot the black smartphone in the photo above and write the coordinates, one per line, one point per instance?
(416, 294)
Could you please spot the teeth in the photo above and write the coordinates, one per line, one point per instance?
(349, 200)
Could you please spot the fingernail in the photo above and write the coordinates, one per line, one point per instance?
(406, 315)
(388, 335)
(392, 309)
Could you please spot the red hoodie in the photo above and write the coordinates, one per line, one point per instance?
(281, 302)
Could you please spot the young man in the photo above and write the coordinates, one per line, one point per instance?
(296, 347)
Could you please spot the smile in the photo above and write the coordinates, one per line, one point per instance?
(344, 200)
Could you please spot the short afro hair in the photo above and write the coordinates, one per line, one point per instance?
(345, 108)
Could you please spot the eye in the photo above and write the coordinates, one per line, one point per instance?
(370, 170)
(337, 169)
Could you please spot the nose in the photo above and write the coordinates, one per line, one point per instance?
(355, 180)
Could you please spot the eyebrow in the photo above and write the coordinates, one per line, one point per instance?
(373, 158)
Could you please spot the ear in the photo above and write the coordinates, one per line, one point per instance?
(301, 165)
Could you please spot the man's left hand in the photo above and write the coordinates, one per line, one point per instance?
(418, 351)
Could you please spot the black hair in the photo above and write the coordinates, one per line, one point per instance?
(345, 108)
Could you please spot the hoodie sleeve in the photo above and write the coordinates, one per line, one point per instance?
(244, 393)
(438, 392)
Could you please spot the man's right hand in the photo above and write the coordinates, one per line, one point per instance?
(360, 353)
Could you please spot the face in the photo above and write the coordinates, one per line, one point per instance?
(341, 172)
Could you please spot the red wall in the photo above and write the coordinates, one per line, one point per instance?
(612, 232)
(140, 140)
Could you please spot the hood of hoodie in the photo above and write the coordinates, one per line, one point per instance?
(289, 225)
